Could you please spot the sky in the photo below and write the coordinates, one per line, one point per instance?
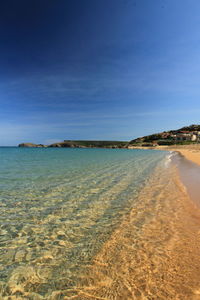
(98, 70)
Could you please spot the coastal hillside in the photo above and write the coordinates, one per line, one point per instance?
(183, 136)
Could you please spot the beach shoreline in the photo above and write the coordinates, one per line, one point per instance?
(155, 250)
(188, 165)
(190, 152)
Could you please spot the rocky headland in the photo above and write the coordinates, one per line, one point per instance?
(31, 145)
(79, 144)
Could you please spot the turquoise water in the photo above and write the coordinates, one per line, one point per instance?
(58, 207)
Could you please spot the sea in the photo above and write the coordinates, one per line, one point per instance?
(74, 223)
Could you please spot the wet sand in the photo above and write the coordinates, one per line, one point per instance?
(189, 174)
(192, 154)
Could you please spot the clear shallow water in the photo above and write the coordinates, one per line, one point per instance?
(58, 208)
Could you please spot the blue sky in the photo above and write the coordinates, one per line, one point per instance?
(109, 70)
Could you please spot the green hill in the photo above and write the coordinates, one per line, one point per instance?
(185, 135)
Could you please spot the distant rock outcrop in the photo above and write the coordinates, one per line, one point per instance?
(31, 145)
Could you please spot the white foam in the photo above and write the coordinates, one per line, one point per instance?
(168, 158)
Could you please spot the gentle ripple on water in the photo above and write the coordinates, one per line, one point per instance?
(58, 208)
